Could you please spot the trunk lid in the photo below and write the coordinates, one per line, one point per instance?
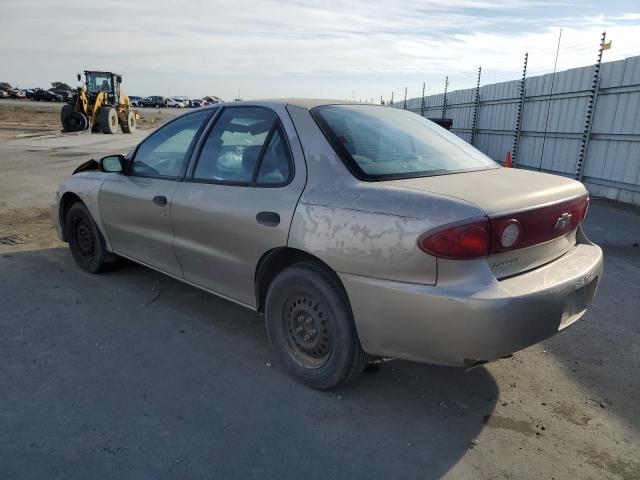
(549, 209)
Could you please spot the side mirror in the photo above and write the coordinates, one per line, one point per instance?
(113, 164)
(119, 79)
(79, 77)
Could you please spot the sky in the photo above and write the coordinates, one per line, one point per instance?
(356, 49)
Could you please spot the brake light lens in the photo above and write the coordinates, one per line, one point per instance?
(495, 235)
(466, 241)
(538, 225)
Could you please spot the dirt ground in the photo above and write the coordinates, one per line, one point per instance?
(134, 375)
(25, 229)
(23, 117)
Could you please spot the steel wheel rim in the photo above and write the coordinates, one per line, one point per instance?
(307, 330)
(85, 239)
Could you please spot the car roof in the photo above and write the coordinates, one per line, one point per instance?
(307, 103)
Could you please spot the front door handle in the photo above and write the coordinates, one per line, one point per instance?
(269, 219)
(160, 200)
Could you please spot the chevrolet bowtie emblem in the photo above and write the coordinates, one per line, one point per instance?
(563, 221)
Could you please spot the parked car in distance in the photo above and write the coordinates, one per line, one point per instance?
(194, 103)
(66, 95)
(46, 95)
(8, 92)
(135, 101)
(389, 236)
(154, 102)
(172, 102)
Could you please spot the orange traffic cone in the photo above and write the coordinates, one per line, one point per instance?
(507, 160)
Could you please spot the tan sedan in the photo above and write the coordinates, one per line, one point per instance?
(357, 230)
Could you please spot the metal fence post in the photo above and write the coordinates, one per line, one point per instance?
(476, 109)
(591, 105)
(422, 103)
(519, 112)
(444, 98)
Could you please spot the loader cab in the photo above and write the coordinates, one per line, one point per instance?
(107, 82)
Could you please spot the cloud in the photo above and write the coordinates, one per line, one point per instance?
(264, 46)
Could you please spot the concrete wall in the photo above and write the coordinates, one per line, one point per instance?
(612, 165)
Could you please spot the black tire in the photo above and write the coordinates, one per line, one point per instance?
(108, 119)
(85, 240)
(75, 122)
(311, 328)
(64, 113)
(129, 125)
(157, 105)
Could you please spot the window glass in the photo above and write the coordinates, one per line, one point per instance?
(233, 146)
(383, 142)
(164, 153)
(275, 164)
(97, 82)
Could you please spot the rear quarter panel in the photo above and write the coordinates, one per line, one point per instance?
(363, 243)
(364, 228)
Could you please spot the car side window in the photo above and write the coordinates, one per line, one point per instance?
(164, 153)
(275, 166)
(232, 149)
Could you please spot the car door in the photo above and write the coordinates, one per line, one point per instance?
(237, 200)
(135, 206)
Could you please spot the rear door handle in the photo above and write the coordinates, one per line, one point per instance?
(160, 200)
(269, 219)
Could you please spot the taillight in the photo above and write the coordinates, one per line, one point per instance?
(499, 234)
(510, 233)
(536, 226)
(462, 241)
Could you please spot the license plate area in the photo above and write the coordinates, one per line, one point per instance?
(578, 301)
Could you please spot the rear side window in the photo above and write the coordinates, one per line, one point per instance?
(275, 165)
(245, 146)
(379, 143)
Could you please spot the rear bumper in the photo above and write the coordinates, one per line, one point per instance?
(473, 317)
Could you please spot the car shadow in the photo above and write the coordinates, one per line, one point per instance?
(133, 374)
(601, 350)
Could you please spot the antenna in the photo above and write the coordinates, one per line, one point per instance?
(553, 81)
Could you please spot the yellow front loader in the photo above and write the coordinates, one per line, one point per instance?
(99, 105)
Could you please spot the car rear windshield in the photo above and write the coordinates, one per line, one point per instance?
(380, 143)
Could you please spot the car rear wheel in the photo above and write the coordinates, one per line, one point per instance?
(311, 327)
(85, 240)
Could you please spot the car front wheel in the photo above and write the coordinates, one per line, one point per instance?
(311, 327)
(85, 240)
